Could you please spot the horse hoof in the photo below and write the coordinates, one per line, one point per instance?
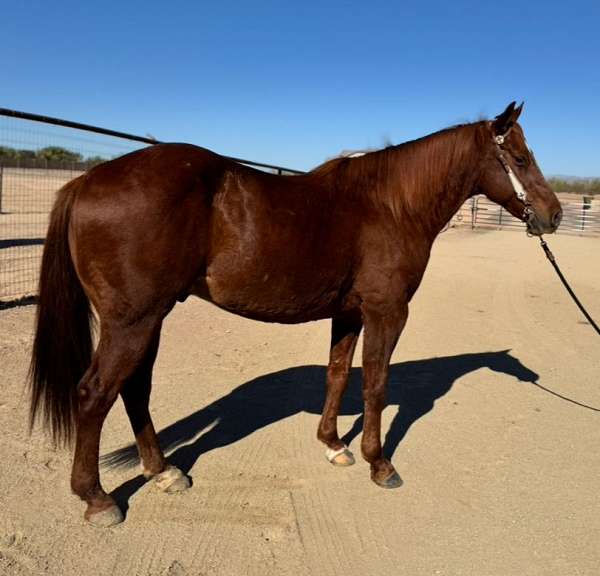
(341, 457)
(178, 485)
(106, 518)
(392, 481)
(172, 480)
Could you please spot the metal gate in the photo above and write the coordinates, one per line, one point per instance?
(581, 215)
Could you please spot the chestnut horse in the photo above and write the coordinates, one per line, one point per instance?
(348, 241)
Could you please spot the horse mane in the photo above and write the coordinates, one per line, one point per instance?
(406, 177)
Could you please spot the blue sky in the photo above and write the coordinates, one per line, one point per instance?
(295, 83)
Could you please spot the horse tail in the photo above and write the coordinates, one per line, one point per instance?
(62, 346)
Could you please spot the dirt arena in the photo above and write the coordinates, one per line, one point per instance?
(501, 474)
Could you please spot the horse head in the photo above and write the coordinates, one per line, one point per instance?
(511, 177)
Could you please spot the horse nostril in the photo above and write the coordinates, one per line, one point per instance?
(556, 219)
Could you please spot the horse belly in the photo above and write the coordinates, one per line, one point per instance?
(267, 296)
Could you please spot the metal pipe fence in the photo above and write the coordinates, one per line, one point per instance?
(581, 215)
(38, 155)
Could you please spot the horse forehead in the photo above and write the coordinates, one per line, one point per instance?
(519, 138)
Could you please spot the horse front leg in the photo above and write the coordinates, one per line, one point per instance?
(344, 335)
(383, 325)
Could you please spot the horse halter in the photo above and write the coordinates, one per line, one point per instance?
(519, 189)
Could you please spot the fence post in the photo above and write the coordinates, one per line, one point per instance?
(585, 206)
(1, 176)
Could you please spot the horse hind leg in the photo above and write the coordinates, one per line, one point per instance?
(121, 350)
(136, 397)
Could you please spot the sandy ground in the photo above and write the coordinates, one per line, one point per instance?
(501, 476)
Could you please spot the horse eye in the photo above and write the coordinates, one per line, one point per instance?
(520, 161)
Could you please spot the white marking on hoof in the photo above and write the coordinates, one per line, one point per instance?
(172, 480)
(106, 518)
(341, 457)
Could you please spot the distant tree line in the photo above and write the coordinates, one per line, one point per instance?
(585, 186)
(53, 155)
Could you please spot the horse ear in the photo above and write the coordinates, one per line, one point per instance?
(505, 121)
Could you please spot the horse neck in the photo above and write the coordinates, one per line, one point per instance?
(431, 178)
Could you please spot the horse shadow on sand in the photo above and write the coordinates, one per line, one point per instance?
(414, 387)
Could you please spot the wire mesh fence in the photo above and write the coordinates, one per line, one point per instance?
(38, 155)
(35, 161)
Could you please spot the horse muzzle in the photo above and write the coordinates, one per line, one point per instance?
(537, 225)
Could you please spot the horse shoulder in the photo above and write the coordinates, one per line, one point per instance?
(392, 264)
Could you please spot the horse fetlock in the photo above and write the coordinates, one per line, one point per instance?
(327, 433)
(370, 449)
(384, 474)
(86, 487)
(147, 473)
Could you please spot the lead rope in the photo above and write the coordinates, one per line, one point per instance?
(522, 196)
(550, 257)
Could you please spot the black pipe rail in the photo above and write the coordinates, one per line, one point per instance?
(26, 195)
(107, 132)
